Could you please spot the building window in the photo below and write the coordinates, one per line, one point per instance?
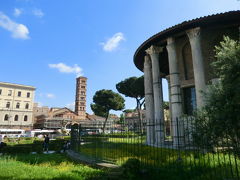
(82, 93)
(8, 105)
(6, 117)
(25, 118)
(27, 106)
(9, 92)
(16, 118)
(82, 104)
(83, 81)
(82, 98)
(189, 96)
(18, 105)
(19, 93)
(28, 94)
(83, 87)
(0, 92)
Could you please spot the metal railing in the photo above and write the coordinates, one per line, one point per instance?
(183, 151)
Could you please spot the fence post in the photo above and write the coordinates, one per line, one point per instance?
(74, 137)
(71, 138)
(79, 137)
(178, 143)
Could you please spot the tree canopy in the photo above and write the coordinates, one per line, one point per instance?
(132, 87)
(106, 100)
(128, 110)
(165, 104)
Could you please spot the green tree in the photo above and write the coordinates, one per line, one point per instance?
(165, 104)
(121, 119)
(134, 87)
(219, 121)
(104, 101)
(128, 110)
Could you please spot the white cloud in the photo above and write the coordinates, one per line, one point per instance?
(38, 13)
(19, 31)
(67, 69)
(71, 106)
(50, 96)
(17, 12)
(113, 42)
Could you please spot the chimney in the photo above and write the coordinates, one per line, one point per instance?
(80, 102)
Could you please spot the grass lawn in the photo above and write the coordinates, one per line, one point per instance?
(44, 166)
(17, 162)
(191, 165)
(156, 163)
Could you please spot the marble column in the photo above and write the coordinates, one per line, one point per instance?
(170, 104)
(154, 51)
(239, 33)
(198, 64)
(175, 95)
(148, 87)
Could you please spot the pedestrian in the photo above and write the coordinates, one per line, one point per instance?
(46, 143)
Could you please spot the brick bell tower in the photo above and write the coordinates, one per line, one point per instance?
(80, 101)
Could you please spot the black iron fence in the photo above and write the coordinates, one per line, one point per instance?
(169, 150)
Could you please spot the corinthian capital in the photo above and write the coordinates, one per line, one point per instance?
(170, 43)
(193, 33)
(154, 50)
(170, 40)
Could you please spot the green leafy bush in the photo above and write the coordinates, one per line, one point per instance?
(36, 146)
(218, 123)
(131, 168)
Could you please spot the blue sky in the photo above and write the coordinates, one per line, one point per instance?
(47, 43)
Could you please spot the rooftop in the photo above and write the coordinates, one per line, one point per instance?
(17, 85)
(231, 17)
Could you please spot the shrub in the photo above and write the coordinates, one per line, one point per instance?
(131, 168)
(36, 146)
(217, 124)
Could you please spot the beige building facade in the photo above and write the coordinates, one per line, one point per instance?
(40, 110)
(16, 106)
